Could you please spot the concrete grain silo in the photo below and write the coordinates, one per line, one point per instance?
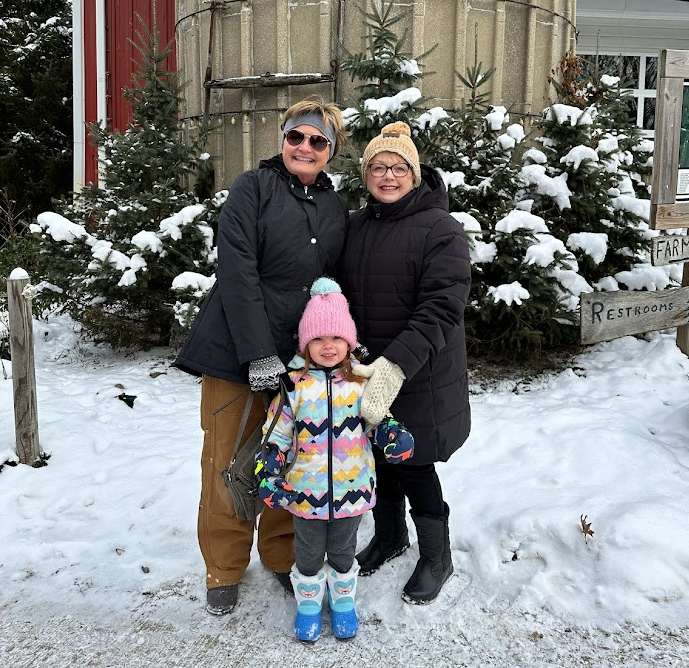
(246, 61)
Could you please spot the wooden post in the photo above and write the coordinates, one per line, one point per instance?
(683, 330)
(23, 369)
(666, 211)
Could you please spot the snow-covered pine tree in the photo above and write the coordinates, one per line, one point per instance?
(112, 256)
(386, 68)
(586, 178)
(545, 222)
(387, 73)
(516, 301)
(35, 107)
(590, 84)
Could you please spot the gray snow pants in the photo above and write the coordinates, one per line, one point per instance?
(313, 539)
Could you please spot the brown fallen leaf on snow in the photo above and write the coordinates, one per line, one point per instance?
(586, 528)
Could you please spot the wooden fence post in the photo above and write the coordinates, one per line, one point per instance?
(666, 211)
(23, 369)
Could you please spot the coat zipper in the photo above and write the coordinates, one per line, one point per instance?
(312, 234)
(331, 491)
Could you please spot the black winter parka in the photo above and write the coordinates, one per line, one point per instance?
(275, 237)
(405, 270)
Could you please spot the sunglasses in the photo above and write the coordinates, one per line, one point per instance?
(318, 142)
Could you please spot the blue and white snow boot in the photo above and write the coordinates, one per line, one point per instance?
(309, 592)
(341, 597)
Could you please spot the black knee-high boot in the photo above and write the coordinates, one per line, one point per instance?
(434, 566)
(390, 538)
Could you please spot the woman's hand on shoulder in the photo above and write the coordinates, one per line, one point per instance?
(264, 373)
(385, 382)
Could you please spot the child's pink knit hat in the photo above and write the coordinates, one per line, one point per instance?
(326, 314)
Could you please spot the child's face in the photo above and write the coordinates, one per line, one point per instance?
(328, 351)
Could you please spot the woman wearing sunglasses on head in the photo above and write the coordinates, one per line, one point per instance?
(281, 227)
(405, 270)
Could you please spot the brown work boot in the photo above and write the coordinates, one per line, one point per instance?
(222, 600)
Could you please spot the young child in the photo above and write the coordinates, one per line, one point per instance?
(332, 481)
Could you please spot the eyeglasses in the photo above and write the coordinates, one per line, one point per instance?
(379, 170)
(318, 142)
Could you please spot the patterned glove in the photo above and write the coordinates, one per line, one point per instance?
(395, 440)
(273, 488)
(276, 492)
(385, 381)
(275, 461)
(361, 351)
(264, 373)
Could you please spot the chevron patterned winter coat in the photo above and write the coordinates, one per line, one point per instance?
(334, 474)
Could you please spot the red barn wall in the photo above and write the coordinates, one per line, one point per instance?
(90, 89)
(121, 27)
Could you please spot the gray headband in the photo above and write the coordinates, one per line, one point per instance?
(315, 121)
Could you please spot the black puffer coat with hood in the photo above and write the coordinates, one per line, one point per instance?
(405, 270)
(275, 237)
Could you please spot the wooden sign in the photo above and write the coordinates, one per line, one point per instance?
(669, 249)
(610, 315)
(669, 216)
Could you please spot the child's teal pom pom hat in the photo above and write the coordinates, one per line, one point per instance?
(326, 314)
(324, 285)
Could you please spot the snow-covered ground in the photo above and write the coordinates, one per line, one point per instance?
(99, 564)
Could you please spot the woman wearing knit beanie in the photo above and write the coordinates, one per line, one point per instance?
(319, 465)
(281, 227)
(405, 269)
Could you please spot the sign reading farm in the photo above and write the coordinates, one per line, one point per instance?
(669, 250)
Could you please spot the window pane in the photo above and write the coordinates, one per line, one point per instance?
(625, 67)
(684, 132)
(633, 106)
(651, 72)
(629, 70)
(649, 114)
(609, 65)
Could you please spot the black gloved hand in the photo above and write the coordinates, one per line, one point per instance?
(395, 440)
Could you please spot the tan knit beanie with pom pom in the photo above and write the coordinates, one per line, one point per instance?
(395, 138)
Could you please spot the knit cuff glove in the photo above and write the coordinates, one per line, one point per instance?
(385, 381)
(264, 373)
